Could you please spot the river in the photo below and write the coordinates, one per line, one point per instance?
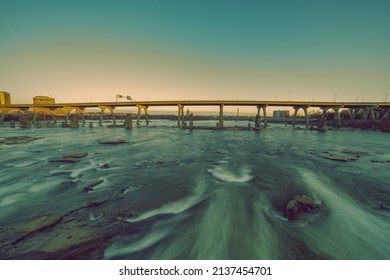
(171, 193)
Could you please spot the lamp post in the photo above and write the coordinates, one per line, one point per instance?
(385, 93)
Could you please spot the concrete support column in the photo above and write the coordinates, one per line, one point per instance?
(337, 115)
(113, 117)
(34, 119)
(221, 115)
(295, 115)
(192, 120)
(74, 121)
(180, 115)
(265, 115)
(139, 115)
(365, 114)
(306, 117)
(101, 117)
(128, 121)
(24, 120)
(2, 116)
(352, 114)
(146, 115)
(257, 119)
(67, 117)
(53, 117)
(372, 113)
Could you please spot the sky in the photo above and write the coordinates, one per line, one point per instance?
(81, 51)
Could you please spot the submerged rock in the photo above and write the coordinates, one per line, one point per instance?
(66, 160)
(76, 155)
(359, 153)
(92, 186)
(300, 203)
(105, 166)
(37, 224)
(68, 236)
(113, 142)
(26, 229)
(18, 140)
(339, 158)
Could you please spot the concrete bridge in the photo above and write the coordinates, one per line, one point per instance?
(370, 109)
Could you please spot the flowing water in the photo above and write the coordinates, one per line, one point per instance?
(172, 193)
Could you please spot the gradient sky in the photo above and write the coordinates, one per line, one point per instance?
(85, 51)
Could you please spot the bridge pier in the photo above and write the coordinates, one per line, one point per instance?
(352, 114)
(74, 121)
(102, 109)
(34, 119)
(180, 115)
(53, 117)
(24, 120)
(336, 112)
(101, 117)
(258, 117)
(2, 116)
(128, 121)
(145, 108)
(221, 115)
(304, 108)
(192, 120)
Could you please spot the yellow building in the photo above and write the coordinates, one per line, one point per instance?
(43, 100)
(5, 97)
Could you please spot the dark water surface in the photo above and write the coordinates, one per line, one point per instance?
(178, 194)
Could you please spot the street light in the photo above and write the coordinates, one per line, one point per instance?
(357, 98)
(335, 96)
(385, 93)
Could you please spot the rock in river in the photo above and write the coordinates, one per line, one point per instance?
(300, 203)
(113, 142)
(76, 155)
(65, 160)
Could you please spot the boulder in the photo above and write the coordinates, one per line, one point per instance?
(305, 202)
(292, 209)
(300, 203)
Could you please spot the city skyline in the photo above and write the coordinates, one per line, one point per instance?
(175, 50)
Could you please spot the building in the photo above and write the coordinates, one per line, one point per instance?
(43, 100)
(280, 114)
(5, 97)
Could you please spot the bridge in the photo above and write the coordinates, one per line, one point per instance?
(371, 110)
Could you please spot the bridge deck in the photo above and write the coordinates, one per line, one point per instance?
(203, 103)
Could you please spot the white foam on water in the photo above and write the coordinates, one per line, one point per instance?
(240, 176)
(145, 242)
(93, 217)
(174, 207)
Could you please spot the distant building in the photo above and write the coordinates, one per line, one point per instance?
(5, 97)
(43, 100)
(280, 114)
